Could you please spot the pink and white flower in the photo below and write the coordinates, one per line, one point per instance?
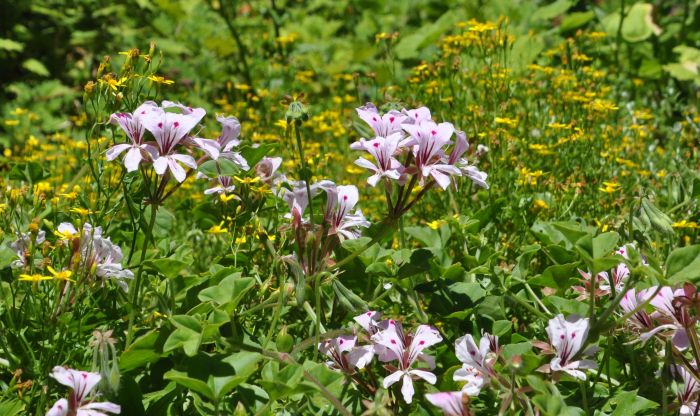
(383, 150)
(341, 200)
(470, 171)
(407, 348)
(382, 125)
(81, 384)
(169, 129)
(477, 362)
(132, 124)
(428, 140)
(416, 115)
(452, 403)
(568, 336)
(687, 395)
(224, 144)
(672, 316)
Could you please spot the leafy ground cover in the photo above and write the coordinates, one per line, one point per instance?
(215, 207)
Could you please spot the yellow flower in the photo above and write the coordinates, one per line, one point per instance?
(225, 197)
(610, 187)
(81, 211)
(218, 229)
(685, 224)
(62, 275)
(281, 123)
(434, 224)
(34, 277)
(539, 204)
(160, 80)
(3, 207)
(241, 240)
(11, 122)
(247, 181)
(112, 82)
(507, 121)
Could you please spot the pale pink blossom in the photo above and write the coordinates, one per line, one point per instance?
(132, 125)
(383, 150)
(452, 403)
(477, 362)
(81, 384)
(568, 336)
(382, 125)
(406, 349)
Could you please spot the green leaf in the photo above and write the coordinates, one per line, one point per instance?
(143, 351)
(11, 45)
(552, 10)
(419, 263)
(32, 65)
(130, 397)
(575, 20)
(229, 292)
(188, 335)
(214, 376)
(11, 407)
(604, 244)
(31, 172)
(556, 276)
(630, 404)
(411, 45)
(683, 265)
(472, 290)
(168, 267)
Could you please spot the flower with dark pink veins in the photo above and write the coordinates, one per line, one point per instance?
(407, 348)
(169, 129)
(133, 126)
(383, 150)
(452, 403)
(382, 125)
(81, 384)
(428, 139)
(341, 200)
(477, 362)
(568, 336)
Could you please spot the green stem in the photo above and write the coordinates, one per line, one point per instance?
(137, 281)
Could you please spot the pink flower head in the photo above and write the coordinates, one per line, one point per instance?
(416, 115)
(131, 124)
(341, 201)
(568, 336)
(169, 129)
(382, 125)
(298, 198)
(687, 395)
(428, 140)
(223, 145)
(453, 403)
(81, 384)
(470, 171)
(407, 348)
(477, 362)
(672, 316)
(383, 150)
(336, 349)
(630, 302)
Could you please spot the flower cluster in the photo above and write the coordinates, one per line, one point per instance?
(399, 350)
(93, 253)
(171, 126)
(606, 283)
(420, 141)
(79, 403)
